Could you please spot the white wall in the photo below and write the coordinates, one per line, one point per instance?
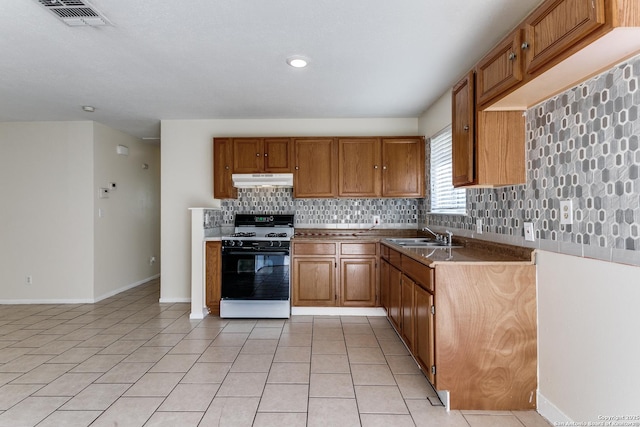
(128, 233)
(46, 224)
(437, 116)
(588, 338)
(187, 175)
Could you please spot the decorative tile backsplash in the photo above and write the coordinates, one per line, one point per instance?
(320, 212)
(582, 145)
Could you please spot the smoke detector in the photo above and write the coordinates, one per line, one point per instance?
(75, 13)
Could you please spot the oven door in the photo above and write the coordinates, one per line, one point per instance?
(255, 274)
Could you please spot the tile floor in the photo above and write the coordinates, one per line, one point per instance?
(130, 361)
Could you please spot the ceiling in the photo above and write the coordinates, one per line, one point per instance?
(209, 59)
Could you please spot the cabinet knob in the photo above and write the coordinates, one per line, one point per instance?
(297, 167)
(375, 166)
(265, 154)
(226, 167)
(384, 168)
(466, 128)
(525, 46)
(257, 154)
(512, 56)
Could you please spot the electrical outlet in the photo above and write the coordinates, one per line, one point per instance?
(566, 212)
(28, 280)
(479, 225)
(113, 186)
(528, 232)
(103, 193)
(376, 220)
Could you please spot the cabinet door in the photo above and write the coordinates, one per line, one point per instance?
(556, 26)
(213, 276)
(403, 167)
(424, 336)
(359, 167)
(315, 168)
(277, 155)
(500, 69)
(462, 132)
(358, 282)
(395, 284)
(247, 155)
(407, 311)
(384, 285)
(314, 281)
(222, 168)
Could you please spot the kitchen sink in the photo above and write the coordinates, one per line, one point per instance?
(420, 243)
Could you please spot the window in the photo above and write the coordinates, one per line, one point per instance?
(444, 198)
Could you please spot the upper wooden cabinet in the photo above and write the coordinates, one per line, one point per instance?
(257, 155)
(403, 167)
(315, 169)
(381, 167)
(488, 146)
(359, 167)
(222, 169)
(560, 44)
(463, 132)
(500, 69)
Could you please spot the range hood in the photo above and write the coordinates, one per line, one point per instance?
(253, 180)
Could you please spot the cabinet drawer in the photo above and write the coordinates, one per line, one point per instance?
(420, 273)
(384, 251)
(358, 249)
(308, 248)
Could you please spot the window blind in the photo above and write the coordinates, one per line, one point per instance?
(444, 198)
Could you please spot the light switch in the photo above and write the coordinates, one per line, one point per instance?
(528, 232)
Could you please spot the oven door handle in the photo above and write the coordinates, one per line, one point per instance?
(254, 252)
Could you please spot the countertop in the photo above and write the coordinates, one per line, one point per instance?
(470, 251)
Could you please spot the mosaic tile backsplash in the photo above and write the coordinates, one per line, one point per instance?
(582, 145)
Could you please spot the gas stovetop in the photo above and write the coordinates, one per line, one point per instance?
(266, 228)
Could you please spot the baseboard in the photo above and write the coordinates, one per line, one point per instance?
(551, 412)
(338, 311)
(79, 301)
(174, 300)
(126, 288)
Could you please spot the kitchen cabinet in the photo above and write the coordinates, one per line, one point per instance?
(358, 274)
(488, 147)
(391, 285)
(359, 167)
(558, 45)
(313, 274)
(403, 167)
(213, 269)
(469, 325)
(315, 172)
(384, 284)
(407, 311)
(381, 167)
(343, 274)
(260, 155)
(500, 69)
(222, 169)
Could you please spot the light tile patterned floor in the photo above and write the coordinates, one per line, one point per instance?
(130, 361)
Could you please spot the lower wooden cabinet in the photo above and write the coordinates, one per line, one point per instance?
(407, 311)
(395, 289)
(334, 274)
(213, 267)
(424, 338)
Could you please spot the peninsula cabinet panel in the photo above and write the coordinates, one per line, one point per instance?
(384, 284)
(314, 280)
(222, 169)
(403, 167)
(213, 278)
(358, 282)
(407, 311)
(359, 167)
(395, 291)
(556, 26)
(315, 171)
(485, 329)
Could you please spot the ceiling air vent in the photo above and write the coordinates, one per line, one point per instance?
(75, 12)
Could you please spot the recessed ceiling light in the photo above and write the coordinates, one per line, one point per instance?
(297, 61)
(88, 108)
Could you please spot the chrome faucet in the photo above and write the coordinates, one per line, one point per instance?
(447, 240)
